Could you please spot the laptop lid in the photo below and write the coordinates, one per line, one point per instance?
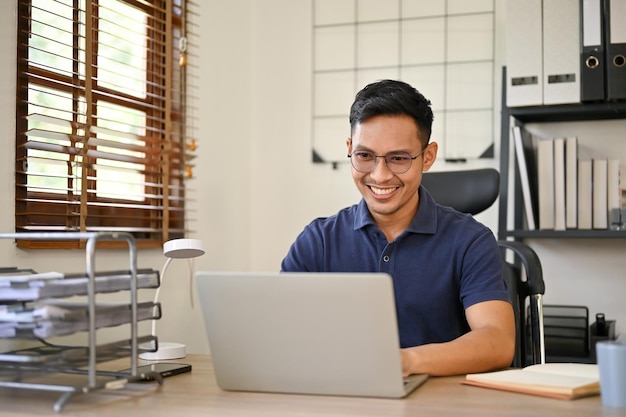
(307, 333)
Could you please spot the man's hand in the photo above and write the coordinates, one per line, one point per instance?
(406, 362)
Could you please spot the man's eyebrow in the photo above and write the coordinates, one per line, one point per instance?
(361, 148)
(395, 151)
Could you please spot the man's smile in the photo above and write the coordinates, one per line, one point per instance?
(382, 191)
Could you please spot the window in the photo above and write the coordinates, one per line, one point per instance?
(101, 118)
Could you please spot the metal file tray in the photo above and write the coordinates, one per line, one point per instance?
(70, 369)
(566, 330)
(47, 355)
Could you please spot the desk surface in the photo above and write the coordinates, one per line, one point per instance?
(196, 394)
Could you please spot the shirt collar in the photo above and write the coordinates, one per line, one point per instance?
(425, 220)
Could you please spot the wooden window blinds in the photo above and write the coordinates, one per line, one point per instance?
(100, 134)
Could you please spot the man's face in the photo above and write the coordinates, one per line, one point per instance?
(386, 193)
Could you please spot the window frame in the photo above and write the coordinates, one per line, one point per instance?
(160, 214)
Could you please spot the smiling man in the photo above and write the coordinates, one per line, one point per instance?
(454, 313)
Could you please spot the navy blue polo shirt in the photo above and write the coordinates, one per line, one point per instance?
(443, 263)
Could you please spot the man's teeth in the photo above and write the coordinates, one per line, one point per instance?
(382, 191)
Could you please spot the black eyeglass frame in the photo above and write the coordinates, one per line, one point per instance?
(389, 155)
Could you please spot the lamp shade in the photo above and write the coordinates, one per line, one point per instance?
(183, 248)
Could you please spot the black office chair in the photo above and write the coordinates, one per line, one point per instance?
(473, 191)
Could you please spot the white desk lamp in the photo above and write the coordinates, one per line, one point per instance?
(174, 249)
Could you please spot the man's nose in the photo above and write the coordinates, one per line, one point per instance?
(381, 170)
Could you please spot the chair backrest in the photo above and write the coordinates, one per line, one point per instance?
(473, 191)
(468, 191)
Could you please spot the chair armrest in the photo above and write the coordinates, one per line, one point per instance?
(534, 288)
(531, 262)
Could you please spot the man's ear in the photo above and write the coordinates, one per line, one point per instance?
(430, 155)
(349, 145)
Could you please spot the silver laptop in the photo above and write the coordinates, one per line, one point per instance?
(305, 333)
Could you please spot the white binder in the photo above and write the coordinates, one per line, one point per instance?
(561, 51)
(614, 190)
(585, 198)
(571, 182)
(600, 212)
(559, 183)
(524, 56)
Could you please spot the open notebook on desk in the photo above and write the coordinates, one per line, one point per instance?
(306, 333)
(566, 381)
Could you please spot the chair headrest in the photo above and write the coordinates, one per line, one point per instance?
(468, 191)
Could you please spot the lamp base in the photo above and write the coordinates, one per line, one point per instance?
(166, 351)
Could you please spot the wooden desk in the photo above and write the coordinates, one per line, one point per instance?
(196, 394)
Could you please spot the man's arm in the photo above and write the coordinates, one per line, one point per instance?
(489, 345)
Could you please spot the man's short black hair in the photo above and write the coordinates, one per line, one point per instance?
(392, 98)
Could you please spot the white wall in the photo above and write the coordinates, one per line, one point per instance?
(285, 185)
(255, 105)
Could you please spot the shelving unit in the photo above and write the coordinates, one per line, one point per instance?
(48, 366)
(539, 114)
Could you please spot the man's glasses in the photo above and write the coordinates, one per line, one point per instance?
(397, 162)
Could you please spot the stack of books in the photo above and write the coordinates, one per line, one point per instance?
(565, 190)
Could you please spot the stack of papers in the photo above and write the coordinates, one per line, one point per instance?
(58, 317)
(25, 287)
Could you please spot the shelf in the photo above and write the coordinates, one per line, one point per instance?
(568, 112)
(569, 234)
(541, 114)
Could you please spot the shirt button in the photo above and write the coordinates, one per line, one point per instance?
(386, 258)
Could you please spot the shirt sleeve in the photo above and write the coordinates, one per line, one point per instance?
(304, 253)
(482, 276)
